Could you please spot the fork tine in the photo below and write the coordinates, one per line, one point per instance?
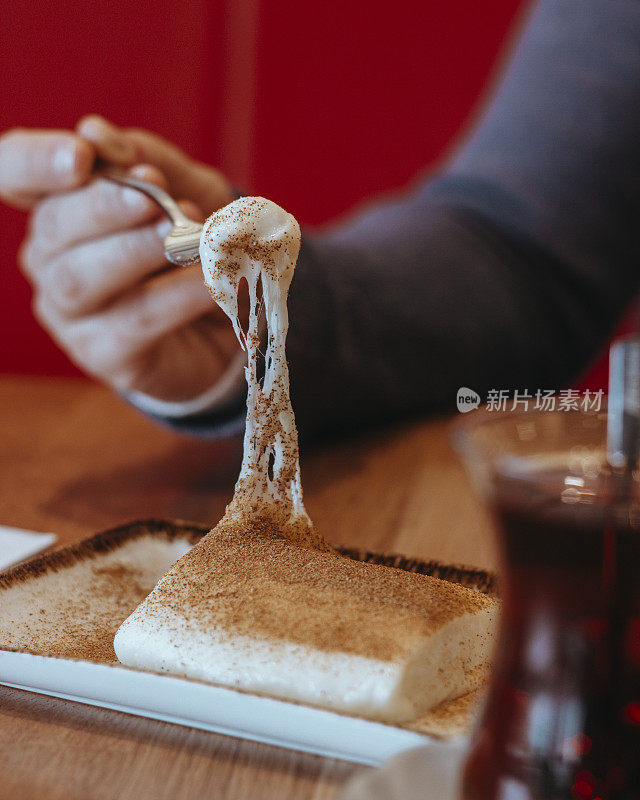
(182, 245)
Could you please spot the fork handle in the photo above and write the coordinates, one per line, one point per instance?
(165, 201)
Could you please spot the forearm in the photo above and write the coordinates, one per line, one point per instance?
(372, 339)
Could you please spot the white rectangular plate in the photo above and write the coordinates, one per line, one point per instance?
(97, 584)
(211, 708)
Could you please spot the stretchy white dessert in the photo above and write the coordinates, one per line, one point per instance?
(263, 603)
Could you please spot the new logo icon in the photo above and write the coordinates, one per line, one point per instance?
(467, 399)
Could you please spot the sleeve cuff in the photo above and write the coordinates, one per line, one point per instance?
(221, 394)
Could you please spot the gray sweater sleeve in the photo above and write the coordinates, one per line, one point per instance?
(507, 269)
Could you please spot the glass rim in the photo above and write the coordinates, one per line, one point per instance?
(461, 436)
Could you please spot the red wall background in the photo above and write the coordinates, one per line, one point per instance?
(316, 105)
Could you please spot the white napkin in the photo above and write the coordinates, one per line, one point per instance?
(426, 773)
(16, 544)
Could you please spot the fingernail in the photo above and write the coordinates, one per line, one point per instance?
(164, 228)
(139, 171)
(64, 160)
(135, 200)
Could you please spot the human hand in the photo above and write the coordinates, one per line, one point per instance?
(102, 286)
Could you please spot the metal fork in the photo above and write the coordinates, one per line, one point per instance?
(182, 243)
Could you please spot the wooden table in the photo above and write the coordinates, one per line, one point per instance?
(74, 460)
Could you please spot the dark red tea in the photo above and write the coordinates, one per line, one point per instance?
(562, 718)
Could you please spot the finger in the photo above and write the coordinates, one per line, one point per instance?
(206, 186)
(38, 162)
(105, 342)
(85, 278)
(23, 202)
(98, 209)
(159, 306)
(110, 142)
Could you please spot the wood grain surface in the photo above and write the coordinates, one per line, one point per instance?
(74, 459)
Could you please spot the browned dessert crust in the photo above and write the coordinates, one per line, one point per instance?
(252, 582)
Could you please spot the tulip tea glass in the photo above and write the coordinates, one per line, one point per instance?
(562, 714)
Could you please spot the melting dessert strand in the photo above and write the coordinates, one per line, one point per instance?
(257, 240)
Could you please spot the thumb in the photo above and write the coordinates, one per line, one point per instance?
(109, 143)
(188, 178)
